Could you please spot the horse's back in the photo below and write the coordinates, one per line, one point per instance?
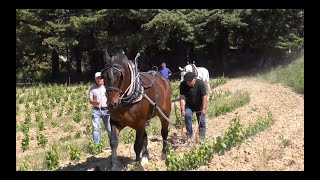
(205, 73)
(154, 77)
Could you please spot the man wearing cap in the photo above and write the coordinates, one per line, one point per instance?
(97, 97)
(193, 98)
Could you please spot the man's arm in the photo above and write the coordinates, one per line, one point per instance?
(93, 99)
(204, 97)
(204, 104)
(182, 105)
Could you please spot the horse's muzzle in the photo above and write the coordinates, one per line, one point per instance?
(113, 105)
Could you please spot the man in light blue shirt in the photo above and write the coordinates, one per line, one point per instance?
(165, 71)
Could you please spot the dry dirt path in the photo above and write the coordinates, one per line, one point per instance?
(280, 147)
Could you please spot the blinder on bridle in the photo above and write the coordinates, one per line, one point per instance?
(109, 69)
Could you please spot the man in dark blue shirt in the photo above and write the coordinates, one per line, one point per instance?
(165, 71)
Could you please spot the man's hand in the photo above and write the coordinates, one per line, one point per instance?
(183, 113)
(204, 104)
(94, 102)
(203, 112)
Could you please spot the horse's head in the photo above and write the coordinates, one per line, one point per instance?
(187, 68)
(114, 75)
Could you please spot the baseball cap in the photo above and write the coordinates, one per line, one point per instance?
(189, 76)
(97, 74)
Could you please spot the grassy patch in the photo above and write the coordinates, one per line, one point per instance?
(218, 81)
(226, 102)
(291, 75)
(127, 135)
(154, 127)
(175, 91)
(37, 160)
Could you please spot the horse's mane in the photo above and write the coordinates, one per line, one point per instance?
(117, 59)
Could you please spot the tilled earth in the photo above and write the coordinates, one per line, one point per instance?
(278, 148)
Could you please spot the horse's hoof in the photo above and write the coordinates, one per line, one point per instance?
(144, 160)
(116, 167)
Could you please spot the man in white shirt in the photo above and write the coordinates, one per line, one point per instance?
(98, 98)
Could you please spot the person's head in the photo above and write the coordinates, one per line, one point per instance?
(163, 64)
(190, 78)
(98, 79)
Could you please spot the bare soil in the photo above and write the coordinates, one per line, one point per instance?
(278, 148)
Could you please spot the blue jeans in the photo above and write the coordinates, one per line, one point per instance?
(201, 122)
(97, 115)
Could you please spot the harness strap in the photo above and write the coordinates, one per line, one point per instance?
(157, 107)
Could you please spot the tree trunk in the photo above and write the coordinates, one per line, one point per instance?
(93, 59)
(221, 49)
(191, 55)
(78, 57)
(54, 64)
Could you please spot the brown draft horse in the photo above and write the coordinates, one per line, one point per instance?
(125, 87)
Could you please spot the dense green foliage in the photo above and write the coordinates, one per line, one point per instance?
(211, 37)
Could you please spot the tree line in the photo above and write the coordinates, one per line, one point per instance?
(52, 44)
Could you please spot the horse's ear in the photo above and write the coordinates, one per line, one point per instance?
(108, 58)
(180, 68)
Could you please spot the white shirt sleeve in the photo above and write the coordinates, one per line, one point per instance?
(90, 94)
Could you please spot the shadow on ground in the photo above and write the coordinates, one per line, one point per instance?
(98, 164)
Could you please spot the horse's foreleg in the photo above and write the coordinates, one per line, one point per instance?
(145, 153)
(138, 143)
(114, 141)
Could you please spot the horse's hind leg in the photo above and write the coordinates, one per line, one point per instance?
(145, 153)
(164, 134)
